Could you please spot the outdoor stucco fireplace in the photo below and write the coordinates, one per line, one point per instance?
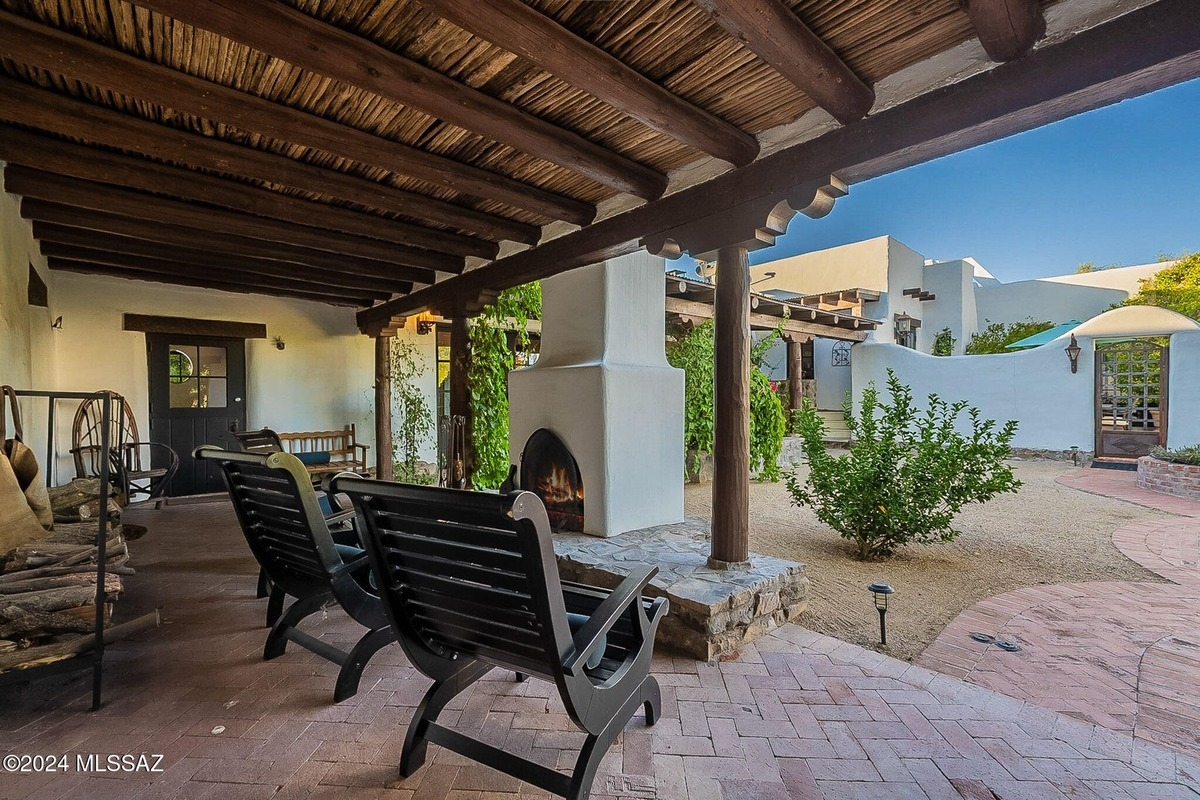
(550, 471)
(603, 387)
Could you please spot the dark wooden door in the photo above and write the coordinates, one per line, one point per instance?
(197, 395)
(1131, 398)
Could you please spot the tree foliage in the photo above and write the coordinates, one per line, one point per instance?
(693, 351)
(998, 335)
(907, 473)
(943, 343)
(1176, 287)
(492, 358)
(413, 423)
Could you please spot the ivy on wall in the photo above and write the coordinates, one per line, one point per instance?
(413, 423)
(492, 358)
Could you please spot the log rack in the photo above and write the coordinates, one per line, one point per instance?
(95, 657)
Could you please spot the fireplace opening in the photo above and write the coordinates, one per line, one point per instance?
(549, 470)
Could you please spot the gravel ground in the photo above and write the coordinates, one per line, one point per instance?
(1045, 533)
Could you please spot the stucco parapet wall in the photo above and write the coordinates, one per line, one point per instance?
(713, 612)
(1167, 477)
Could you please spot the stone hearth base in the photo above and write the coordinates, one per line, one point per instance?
(712, 612)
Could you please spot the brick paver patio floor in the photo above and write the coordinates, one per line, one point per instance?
(797, 715)
(1122, 655)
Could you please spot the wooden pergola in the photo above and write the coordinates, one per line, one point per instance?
(399, 156)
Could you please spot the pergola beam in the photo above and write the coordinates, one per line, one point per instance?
(27, 42)
(1138, 52)
(52, 237)
(773, 32)
(766, 322)
(1007, 29)
(103, 166)
(520, 29)
(25, 104)
(313, 45)
(138, 205)
(234, 246)
(89, 268)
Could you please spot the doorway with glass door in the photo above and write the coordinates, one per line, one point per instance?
(197, 396)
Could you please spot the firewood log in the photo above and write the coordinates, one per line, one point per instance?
(52, 599)
(57, 651)
(24, 624)
(112, 582)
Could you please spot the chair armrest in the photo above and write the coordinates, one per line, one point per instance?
(338, 516)
(596, 629)
(362, 448)
(348, 566)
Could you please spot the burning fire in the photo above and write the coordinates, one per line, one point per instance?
(557, 488)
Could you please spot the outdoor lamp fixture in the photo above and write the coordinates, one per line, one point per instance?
(881, 592)
(424, 324)
(279, 343)
(903, 323)
(1072, 352)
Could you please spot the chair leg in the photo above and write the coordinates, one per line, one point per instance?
(412, 757)
(652, 698)
(356, 661)
(263, 589)
(597, 744)
(275, 604)
(277, 639)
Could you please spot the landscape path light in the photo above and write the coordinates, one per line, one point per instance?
(881, 591)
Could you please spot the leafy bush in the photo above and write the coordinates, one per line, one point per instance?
(1176, 287)
(996, 337)
(943, 343)
(907, 473)
(1183, 455)
(413, 421)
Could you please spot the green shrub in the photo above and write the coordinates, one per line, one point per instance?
(943, 343)
(1183, 455)
(907, 473)
(996, 337)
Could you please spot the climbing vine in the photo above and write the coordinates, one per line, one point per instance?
(413, 422)
(693, 352)
(492, 358)
(943, 343)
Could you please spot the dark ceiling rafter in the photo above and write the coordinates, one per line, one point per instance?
(520, 29)
(773, 32)
(48, 233)
(1007, 29)
(181, 279)
(29, 182)
(48, 48)
(234, 246)
(166, 265)
(1143, 50)
(308, 43)
(169, 266)
(90, 163)
(56, 113)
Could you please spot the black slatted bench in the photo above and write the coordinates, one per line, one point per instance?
(470, 583)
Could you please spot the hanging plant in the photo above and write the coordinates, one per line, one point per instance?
(492, 357)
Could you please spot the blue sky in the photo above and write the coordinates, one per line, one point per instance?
(1117, 185)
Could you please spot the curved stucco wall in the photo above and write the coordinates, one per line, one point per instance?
(1183, 391)
(1055, 408)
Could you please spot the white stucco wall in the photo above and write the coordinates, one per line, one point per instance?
(1183, 391)
(1055, 408)
(1060, 298)
(954, 305)
(858, 265)
(832, 382)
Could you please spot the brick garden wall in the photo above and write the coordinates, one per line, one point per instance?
(1181, 480)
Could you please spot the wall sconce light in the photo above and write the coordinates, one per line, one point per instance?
(903, 323)
(279, 343)
(1072, 351)
(425, 323)
(57, 324)
(881, 591)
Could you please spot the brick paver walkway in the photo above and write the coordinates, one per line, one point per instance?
(797, 715)
(1122, 655)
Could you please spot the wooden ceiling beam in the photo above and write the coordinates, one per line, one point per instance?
(29, 182)
(1149, 48)
(292, 36)
(48, 233)
(1007, 29)
(521, 29)
(90, 268)
(216, 242)
(765, 322)
(48, 48)
(773, 32)
(25, 104)
(214, 270)
(90, 163)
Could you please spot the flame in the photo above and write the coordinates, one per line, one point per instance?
(557, 488)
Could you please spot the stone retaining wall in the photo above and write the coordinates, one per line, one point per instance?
(1166, 477)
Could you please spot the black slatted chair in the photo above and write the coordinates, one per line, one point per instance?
(263, 441)
(289, 536)
(470, 582)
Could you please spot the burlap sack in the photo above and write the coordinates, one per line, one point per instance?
(25, 512)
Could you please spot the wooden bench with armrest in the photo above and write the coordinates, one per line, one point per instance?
(327, 452)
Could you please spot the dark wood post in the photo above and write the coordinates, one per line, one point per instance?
(795, 370)
(384, 457)
(731, 418)
(460, 403)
